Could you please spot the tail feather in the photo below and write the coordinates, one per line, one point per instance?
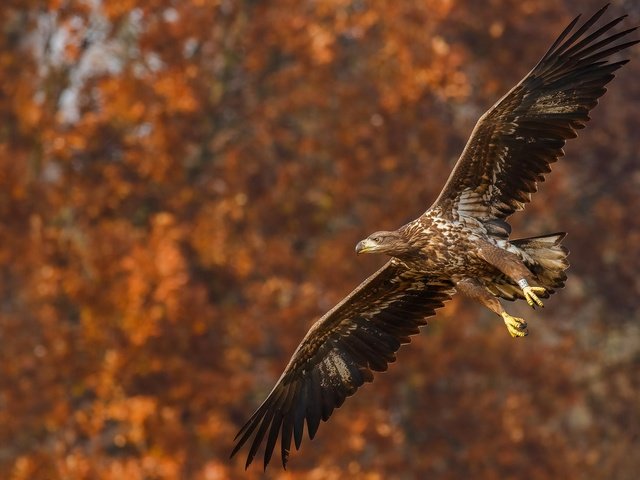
(545, 257)
(549, 258)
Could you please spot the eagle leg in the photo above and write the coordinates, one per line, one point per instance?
(517, 326)
(509, 264)
(530, 293)
(470, 287)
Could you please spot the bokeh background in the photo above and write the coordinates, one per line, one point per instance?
(182, 184)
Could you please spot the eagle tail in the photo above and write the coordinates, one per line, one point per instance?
(545, 257)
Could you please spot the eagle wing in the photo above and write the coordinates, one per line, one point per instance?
(513, 143)
(339, 353)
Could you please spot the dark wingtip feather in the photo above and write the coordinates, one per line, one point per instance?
(246, 432)
(271, 439)
(561, 46)
(257, 440)
(285, 439)
(298, 417)
(560, 38)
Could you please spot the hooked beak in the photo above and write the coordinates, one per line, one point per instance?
(365, 246)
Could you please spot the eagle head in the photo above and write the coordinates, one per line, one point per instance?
(391, 243)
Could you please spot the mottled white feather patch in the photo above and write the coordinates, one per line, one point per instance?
(556, 102)
(336, 372)
(471, 203)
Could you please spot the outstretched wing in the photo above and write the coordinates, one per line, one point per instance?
(359, 335)
(513, 143)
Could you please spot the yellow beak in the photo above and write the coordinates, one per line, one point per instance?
(365, 246)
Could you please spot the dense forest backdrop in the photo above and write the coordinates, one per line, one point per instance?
(182, 184)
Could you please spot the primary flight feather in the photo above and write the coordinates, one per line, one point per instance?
(460, 244)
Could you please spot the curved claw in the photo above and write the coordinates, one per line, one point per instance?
(531, 295)
(517, 326)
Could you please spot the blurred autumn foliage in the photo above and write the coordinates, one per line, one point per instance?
(182, 184)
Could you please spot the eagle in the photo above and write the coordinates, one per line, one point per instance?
(460, 244)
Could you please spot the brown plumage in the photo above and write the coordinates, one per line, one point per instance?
(459, 244)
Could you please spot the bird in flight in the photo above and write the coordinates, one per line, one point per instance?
(460, 244)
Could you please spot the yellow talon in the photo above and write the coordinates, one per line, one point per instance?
(531, 295)
(517, 326)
